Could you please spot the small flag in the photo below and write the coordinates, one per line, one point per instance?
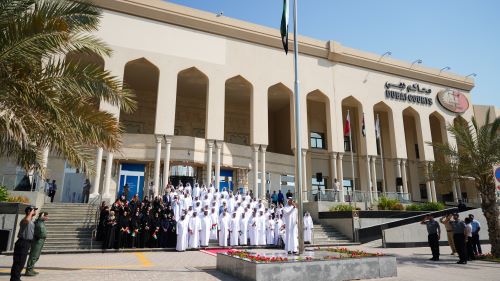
(347, 127)
(377, 128)
(363, 128)
(284, 25)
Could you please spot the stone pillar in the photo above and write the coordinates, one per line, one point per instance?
(156, 172)
(433, 190)
(210, 145)
(340, 174)
(97, 179)
(255, 170)
(428, 185)
(263, 181)
(459, 189)
(218, 148)
(403, 173)
(398, 174)
(374, 178)
(166, 161)
(107, 177)
(369, 177)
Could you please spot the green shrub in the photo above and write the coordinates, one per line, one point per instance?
(342, 207)
(426, 207)
(398, 207)
(386, 203)
(3, 193)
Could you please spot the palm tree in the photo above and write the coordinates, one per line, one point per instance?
(477, 150)
(46, 100)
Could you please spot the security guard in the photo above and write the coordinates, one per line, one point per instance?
(459, 238)
(23, 243)
(434, 234)
(37, 244)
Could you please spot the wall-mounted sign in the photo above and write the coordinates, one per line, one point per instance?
(453, 100)
(413, 93)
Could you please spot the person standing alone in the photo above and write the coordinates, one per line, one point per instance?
(37, 244)
(52, 190)
(434, 233)
(23, 243)
(86, 191)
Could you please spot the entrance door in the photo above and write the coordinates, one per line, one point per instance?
(133, 176)
(226, 180)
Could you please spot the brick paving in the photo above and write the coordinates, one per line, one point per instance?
(413, 265)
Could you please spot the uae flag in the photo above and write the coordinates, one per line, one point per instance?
(347, 127)
(284, 25)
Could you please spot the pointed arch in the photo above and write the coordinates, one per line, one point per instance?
(142, 77)
(191, 103)
(237, 110)
(280, 117)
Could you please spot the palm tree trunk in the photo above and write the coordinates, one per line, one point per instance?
(491, 213)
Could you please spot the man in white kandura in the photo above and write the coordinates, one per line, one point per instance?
(234, 229)
(308, 228)
(253, 227)
(206, 225)
(270, 230)
(291, 228)
(194, 231)
(261, 238)
(243, 229)
(181, 231)
(214, 216)
(223, 229)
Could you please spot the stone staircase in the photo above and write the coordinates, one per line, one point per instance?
(70, 227)
(324, 235)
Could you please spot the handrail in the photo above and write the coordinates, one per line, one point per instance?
(95, 205)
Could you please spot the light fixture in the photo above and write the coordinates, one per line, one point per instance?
(388, 53)
(472, 74)
(220, 14)
(444, 69)
(419, 61)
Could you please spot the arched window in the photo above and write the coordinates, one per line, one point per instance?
(318, 140)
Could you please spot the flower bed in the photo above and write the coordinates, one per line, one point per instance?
(488, 257)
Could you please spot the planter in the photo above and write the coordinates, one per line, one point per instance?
(301, 270)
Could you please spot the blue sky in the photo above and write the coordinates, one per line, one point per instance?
(461, 34)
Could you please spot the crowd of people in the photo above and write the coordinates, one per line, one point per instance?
(188, 217)
(462, 235)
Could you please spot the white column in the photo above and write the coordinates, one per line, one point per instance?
(166, 161)
(305, 180)
(398, 173)
(428, 184)
(403, 173)
(374, 178)
(455, 192)
(107, 177)
(156, 174)
(333, 168)
(433, 190)
(369, 177)
(263, 171)
(459, 190)
(340, 174)
(255, 171)
(97, 178)
(218, 148)
(210, 144)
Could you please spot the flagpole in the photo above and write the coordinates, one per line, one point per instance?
(298, 144)
(352, 161)
(381, 154)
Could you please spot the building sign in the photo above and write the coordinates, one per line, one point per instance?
(413, 93)
(453, 100)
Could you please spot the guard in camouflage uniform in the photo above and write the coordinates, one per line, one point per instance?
(37, 244)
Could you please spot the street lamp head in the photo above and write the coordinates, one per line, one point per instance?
(388, 53)
(445, 68)
(472, 74)
(419, 61)
(220, 14)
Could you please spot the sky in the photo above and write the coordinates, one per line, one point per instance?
(461, 34)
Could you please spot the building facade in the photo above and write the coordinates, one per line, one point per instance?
(215, 106)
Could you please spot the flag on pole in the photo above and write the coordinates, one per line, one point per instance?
(347, 127)
(363, 128)
(284, 25)
(377, 128)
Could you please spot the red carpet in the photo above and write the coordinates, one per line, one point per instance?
(213, 252)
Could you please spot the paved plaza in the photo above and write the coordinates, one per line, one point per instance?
(413, 264)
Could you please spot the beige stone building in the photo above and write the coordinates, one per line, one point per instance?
(215, 106)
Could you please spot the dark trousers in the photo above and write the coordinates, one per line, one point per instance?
(21, 251)
(476, 245)
(52, 193)
(470, 252)
(459, 240)
(434, 244)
